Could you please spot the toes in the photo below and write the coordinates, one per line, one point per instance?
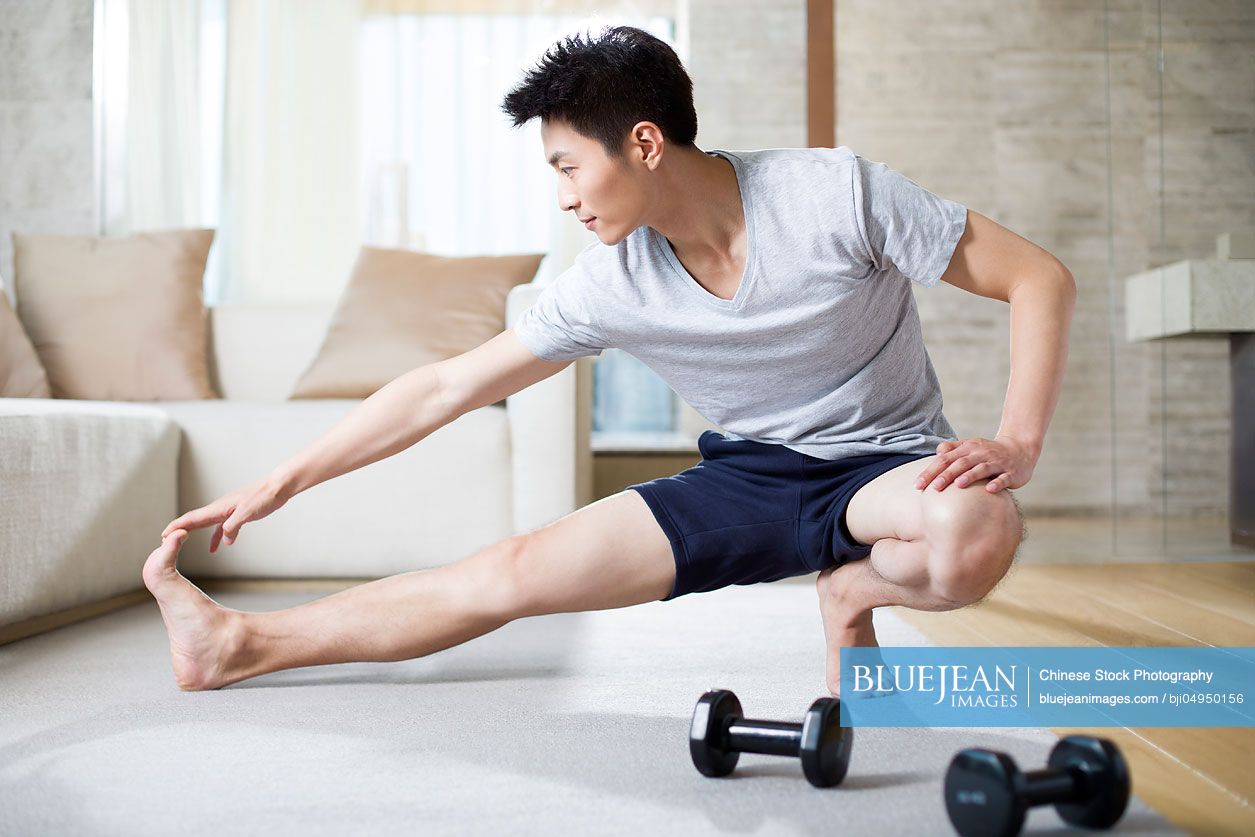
(163, 558)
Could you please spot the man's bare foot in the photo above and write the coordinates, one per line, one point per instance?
(204, 636)
(845, 624)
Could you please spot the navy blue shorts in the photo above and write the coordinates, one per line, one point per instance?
(752, 512)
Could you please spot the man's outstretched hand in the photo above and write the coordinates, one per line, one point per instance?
(1004, 461)
(231, 511)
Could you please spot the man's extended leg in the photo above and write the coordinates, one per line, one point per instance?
(611, 553)
(931, 550)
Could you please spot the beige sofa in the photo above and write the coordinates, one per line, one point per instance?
(86, 487)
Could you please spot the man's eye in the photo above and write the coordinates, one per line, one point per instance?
(565, 171)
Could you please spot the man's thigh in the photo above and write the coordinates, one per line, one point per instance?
(610, 553)
(890, 506)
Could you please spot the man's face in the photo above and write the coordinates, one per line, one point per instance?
(591, 184)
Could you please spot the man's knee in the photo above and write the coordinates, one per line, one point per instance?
(974, 540)
(498, 586)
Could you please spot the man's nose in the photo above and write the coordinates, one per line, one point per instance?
(567, 202)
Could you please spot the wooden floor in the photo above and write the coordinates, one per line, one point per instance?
(1202, 779)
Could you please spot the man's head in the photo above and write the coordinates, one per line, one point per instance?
(608, 105)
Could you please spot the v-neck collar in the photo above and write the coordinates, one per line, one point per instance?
(743, 287)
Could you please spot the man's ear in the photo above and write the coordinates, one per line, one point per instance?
(647, 143)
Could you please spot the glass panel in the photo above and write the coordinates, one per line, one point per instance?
(628, 396)
(1181, 85)
(1207, 166)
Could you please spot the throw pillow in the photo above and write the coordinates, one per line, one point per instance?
(403, 309)
(21, 373)
(117, 318)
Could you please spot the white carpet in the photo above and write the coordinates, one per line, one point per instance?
(571, 723)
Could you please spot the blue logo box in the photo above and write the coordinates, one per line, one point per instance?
(1050, 686)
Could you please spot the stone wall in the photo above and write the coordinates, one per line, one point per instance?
(46, 148)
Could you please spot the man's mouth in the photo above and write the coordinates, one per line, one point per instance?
(589, 223)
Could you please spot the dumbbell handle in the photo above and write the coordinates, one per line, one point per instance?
(772, 738)
(1050, 785)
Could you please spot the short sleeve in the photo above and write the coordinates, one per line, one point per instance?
(902, 224)
(562, 324)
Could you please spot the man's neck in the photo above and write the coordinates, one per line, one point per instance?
(703, 218)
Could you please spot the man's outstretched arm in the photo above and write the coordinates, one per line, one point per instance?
(413, 406)
(992, 261)
(395, 417)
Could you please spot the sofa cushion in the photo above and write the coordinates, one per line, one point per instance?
(21, 373)
(85, 490)
(403, 309)
(116, 318)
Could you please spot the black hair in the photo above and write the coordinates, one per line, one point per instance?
(602, 85)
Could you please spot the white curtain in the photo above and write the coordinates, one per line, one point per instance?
(165, 122)
(302, 129)
(443, 169)
(291, 197)
(155, 89)
(158, 101)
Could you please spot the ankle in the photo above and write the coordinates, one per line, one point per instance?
(841, 593)
(239, 643)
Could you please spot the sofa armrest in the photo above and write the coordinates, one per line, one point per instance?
(85, 488)
(550, 425)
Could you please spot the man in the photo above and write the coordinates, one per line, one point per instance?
(771, 290)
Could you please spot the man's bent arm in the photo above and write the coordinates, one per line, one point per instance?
(1041, 317)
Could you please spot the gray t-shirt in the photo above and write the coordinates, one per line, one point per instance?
(821, 349)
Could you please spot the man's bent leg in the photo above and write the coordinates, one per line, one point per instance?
(931, 550)
(611, 553)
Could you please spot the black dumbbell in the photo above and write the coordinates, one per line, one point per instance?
(1086, 779)
(720, 734)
